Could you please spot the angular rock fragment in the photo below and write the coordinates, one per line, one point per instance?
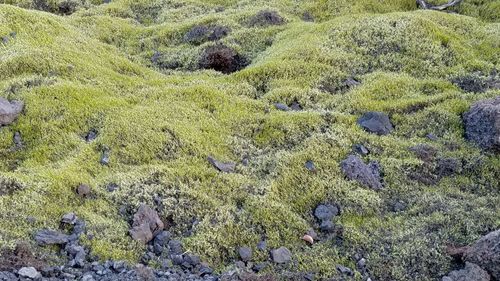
(485, 252)
(281, 106)
(245, 253)
(281, 255)
(226, 167)
(368, 175)
(147, 224)
(29, 272)
(482, 124)
(376, 122)
(9, 111)
(471, 272)
(50, 237)
(325, 212)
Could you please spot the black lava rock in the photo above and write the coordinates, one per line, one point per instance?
(482, 124)
(368, 175)
(376, 122)
(326, 212)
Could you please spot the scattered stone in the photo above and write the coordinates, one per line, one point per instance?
(245, 253)
(111, 187)
(160, 241)
(175, 247)
(376, 122)
(326, 212)
(18, 141)
(266, 18)
(144, 273)
(83, 190)
(281, 255)
(432, 137)
(29, 272)
(471, 272)
(50, 237)
(9, 111)
(147, 224)
(281, 106)
(368, 175)
(307, 16)
(361, 149)
(91, 135)
(5, 39)
(262, 245)
(310, 166)
(226, 167)
(105, 156)
(222, 58)
(219, 32)
(295, 106)
(88, 277)
(344, 270)
(482, 124)
(485, 252)
(69, 218)
(258, 267)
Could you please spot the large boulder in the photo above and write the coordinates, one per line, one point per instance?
(471, 272)
(9, 111)
(485, 252)
(482, 124)
(366, 174)
(147, 224)
(376, 122)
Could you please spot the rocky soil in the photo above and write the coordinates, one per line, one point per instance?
(249, 140)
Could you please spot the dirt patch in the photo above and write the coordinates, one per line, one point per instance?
(18, 257)
(222, 58)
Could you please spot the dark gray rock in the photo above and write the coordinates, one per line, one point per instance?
(482, 124)
(376, 122)
(310, 166)
(471, 272)
(18, 141)
(326, 212)
(485, 252)
(361, 149)
(7, 276)
(226, 167)
(295, 106)
(105, 156)
(344, 270)
(281, 255)
(147, 224)
(69, 218)
(91, 135)
(368, 175)
(9, 111)
(83, 190)
(327, 227)
(262, 245)
(50, 237)
(175, 247)
(245, 253)
(282, 107)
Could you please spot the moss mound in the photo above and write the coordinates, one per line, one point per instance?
(124, 73)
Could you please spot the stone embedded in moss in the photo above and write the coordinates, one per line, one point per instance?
(147, 224)
(482, 124)
(222, 58)
(200, 34)
(266, 18)
(9, 111)
(368, 175)
(376, 122)
(485, 252)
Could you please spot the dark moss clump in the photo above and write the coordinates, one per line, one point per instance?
(266, 18)
(477, 83)
(8, 186)
(222, 58)
(201, 33)
(66, 7)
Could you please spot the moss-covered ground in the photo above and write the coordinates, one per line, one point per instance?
(93, 70)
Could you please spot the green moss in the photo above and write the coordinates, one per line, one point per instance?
(93, 70)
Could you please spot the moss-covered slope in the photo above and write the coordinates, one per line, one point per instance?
(125, 70)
